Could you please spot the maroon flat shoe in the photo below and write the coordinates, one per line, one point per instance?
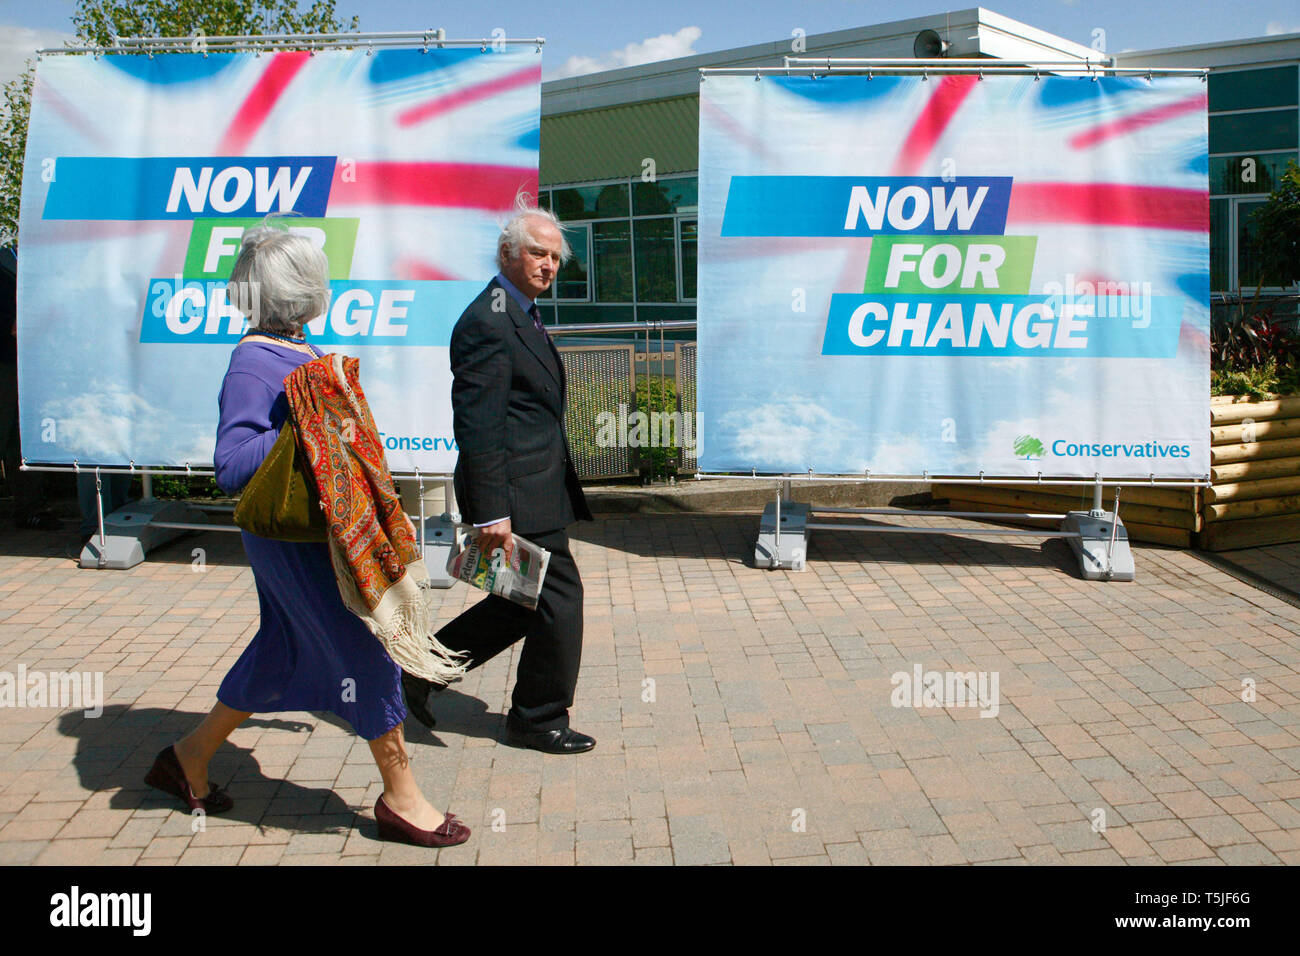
(167, 775)
(394, 828)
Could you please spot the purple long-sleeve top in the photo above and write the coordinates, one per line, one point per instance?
(253, 407)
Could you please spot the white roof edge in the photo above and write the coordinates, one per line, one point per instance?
(1023, 31)
(1217, 45)
(994, 35)
(773, 48)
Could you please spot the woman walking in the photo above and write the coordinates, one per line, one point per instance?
(310, 652)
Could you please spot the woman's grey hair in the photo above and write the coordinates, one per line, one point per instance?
(515, 234)
(280, 280)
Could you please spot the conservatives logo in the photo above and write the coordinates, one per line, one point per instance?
(1027, 446)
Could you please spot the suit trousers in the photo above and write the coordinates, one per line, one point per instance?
(552, 633)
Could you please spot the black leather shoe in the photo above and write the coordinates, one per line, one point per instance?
(563, 741)
(419, 694)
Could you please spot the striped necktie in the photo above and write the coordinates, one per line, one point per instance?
(536, 315)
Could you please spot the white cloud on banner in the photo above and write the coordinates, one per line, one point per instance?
(19, 44)
(1277, 28)
(103, 424)
(797, 431)
(666, 46)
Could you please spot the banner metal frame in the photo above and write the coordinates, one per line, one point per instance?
(869, 66)
(256, 44)
(272, 42)
(1092, 534)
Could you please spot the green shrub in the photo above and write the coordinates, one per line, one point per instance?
(1256, 382)
(654, 394)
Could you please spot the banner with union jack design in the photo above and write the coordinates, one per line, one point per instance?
(142, 172)
(954, 275)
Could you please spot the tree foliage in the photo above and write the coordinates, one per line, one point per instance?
(97, 22)
(1277, 231)
(13, 143)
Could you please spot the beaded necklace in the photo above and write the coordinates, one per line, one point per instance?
(275, 335)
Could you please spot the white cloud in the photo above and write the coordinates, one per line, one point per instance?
(796, 433)
(666, 46)
(19, 44)
(1277, 28)
(115, 425)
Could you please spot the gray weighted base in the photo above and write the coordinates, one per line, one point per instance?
(439, 542)
(131, 532)
(791, 554)
(1094, 543)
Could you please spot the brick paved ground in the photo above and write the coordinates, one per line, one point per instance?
(1278, 563)
(770, 706)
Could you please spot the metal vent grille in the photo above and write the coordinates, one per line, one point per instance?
(686, 405)
(598, 379)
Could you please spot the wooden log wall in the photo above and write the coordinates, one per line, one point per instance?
(1254, 498)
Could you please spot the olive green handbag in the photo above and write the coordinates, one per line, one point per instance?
(280, 500)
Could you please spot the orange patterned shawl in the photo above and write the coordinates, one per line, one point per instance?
(372, 543)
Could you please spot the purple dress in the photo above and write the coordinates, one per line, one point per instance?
(310, 652)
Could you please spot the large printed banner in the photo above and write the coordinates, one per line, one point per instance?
(955, 275)
(142, 174)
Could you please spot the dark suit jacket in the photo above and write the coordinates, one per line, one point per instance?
(507, 398)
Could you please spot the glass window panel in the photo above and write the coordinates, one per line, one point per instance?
(1247, 256)
(1220, 249)
(1253, 89)
(612, 249)
(1231, 175)
(571, 282)
(591, 202)
(665, 197)
(544, 199)
(656, 261)
(1244, 132)
(690, 231)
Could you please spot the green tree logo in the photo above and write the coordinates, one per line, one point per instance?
(1027, 446)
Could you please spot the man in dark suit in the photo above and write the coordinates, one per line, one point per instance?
(514, 475)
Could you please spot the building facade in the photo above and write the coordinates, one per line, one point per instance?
(619, 152)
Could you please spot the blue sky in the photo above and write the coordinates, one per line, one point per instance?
(583, 35)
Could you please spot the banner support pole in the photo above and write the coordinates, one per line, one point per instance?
(419, 491)
(99, 508)
(778, 521)
(1099, 540)
(1114, 530)
(439, 534)
(782, 532)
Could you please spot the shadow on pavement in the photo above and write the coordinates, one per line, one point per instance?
(116, 750)
(731, 537)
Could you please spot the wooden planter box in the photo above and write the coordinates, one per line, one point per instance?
(1254, 498)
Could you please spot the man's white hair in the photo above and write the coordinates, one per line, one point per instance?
(280, 280)
(515, 234)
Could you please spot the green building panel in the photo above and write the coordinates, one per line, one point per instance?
(615, 142)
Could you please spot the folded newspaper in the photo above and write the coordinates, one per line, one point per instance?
(518, 580)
